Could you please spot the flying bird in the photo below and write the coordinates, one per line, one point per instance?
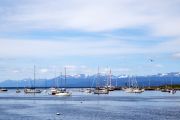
(151, 60)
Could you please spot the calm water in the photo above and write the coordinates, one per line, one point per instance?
(118, 105)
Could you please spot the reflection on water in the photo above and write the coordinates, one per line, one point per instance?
(118, 105)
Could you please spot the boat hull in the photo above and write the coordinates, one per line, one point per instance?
(133, 90)
(63, 94)
(3, 90)
(101, 91)
(32, 91)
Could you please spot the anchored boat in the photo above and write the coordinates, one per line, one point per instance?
(3, 90)
(61, 91)
(99, 89)
(32, 89)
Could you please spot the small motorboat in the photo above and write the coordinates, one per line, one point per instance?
(3, 90)
(172, 91)
(18, 91)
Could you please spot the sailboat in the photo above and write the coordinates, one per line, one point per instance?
(32, 89)
(62, 91)
(172, 91)
(18, 90)
(88, 90)
(133, 87)
(99, 89)
(109, 86)
(55, 89)
(165, 87)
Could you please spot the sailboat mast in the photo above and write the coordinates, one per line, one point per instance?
(56, 80)
(97, 81)
(61, 84)
(110, 78)
(34, 78)
(65, 76)
(107, 78)
(34, 75)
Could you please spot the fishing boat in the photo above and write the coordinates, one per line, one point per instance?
(32, 89)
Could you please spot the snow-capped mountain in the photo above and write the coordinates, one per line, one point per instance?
(83, 80)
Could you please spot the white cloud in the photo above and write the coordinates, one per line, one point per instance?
(83, 66)
(70, 67)
(39, 48)
(176, 55)
(43, 70)
(15, 71)
(122, 70)
(159, 65)
(162, 16)
(48, 48)
(158, 17)
(170, 46)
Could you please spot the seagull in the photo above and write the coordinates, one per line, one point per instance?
(151, 60)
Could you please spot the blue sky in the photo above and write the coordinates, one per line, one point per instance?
(84, 34)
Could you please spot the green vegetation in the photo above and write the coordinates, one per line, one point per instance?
(177, 87)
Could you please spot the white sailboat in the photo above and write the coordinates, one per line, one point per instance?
(88, 90)
(133, 87)
(109, 85)
(63, 91)
(18, 90)
(100, 90)
(165, 89)
(55, 89)
(32, 89)
(172, 91)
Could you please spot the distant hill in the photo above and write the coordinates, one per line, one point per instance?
(83, 80)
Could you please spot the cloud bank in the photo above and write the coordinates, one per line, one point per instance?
(161, 16)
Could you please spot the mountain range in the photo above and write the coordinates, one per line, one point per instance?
(82, 80)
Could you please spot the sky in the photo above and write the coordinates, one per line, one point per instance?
(121, 35)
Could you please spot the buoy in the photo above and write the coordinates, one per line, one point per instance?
(57, 113)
